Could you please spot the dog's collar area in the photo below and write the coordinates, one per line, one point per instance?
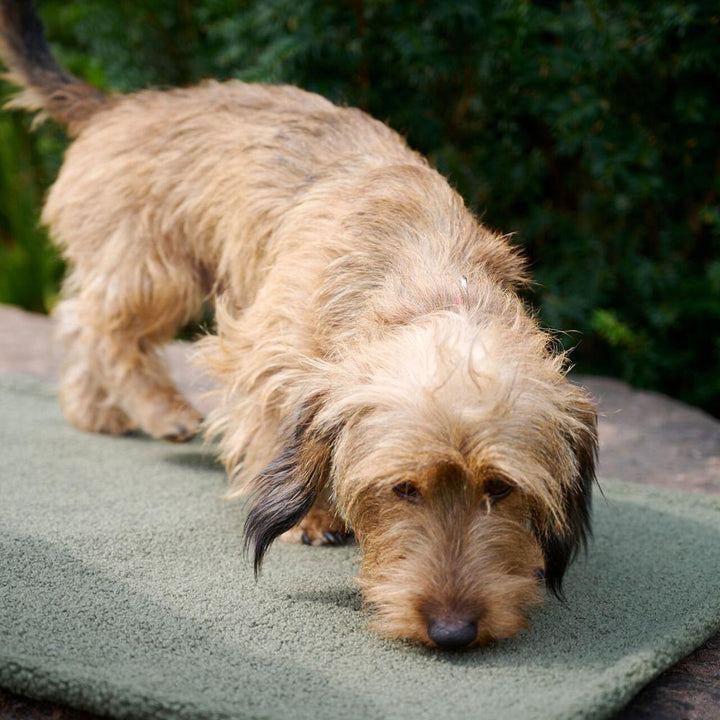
(460, 298)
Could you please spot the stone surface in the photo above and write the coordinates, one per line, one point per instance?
(644, 438)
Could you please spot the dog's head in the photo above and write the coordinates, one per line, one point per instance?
(463, 460)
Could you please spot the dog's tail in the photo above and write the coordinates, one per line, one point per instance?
(46, 87)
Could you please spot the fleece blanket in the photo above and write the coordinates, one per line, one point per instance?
(124, 591)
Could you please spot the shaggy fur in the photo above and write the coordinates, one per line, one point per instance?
(378, 370)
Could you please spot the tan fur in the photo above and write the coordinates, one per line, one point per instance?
(368, 335)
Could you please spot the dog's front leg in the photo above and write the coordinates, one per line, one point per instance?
(321, 526)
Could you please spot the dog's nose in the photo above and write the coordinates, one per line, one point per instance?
(452, 632)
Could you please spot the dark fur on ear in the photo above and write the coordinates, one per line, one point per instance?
(287, 488)
(561, 546)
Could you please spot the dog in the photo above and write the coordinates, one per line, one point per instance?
(379, 372)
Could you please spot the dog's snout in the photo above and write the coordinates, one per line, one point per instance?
(452, 632)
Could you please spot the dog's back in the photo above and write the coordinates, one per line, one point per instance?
(222, 162)
(185, 170)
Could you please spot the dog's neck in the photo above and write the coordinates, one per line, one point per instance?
(460, 298)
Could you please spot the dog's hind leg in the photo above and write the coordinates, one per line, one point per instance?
(84, 398)
(113, 379)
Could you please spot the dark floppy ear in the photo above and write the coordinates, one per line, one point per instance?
(286, 489)
(560, 546)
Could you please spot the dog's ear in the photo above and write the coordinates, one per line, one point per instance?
(561, 545)
(286, 489)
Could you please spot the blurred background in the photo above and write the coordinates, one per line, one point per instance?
(589, 129)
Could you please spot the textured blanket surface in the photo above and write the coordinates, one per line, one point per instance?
(124, 591)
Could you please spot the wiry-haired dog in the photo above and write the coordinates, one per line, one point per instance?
(378, 370)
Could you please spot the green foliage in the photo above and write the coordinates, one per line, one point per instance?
(29, 267)
(587, 127)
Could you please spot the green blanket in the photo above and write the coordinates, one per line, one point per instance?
(124, 591)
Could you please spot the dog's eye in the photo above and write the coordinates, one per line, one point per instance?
(407, 491)
(497, 489)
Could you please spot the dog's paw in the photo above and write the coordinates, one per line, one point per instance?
(182, 432)
(319, 527)
(98, 418)
(178, 424)
(115, 422)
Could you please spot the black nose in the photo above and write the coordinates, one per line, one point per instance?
(452, 633)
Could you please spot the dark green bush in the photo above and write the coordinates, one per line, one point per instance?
(590, 129)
